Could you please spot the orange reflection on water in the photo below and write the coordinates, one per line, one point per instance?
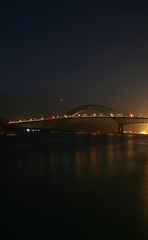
(130, 153)
(143, 206)
(130, 147)
(110, 157)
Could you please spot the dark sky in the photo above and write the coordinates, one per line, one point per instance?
(86, 52)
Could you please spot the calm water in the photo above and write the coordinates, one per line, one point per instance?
(80, 186)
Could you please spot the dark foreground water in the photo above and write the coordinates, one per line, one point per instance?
(80, 186)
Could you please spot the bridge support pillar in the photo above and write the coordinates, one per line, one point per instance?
(120, 128)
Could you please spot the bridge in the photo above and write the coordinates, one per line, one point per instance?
(92, 111)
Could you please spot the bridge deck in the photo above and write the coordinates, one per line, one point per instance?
(120, 120)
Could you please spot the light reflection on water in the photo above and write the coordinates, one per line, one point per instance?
(93, 184)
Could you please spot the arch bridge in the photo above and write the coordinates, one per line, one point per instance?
(95, 111)
(106, 112)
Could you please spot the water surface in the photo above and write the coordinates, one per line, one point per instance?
(80, 186)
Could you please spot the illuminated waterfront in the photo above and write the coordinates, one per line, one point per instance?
(75, 184)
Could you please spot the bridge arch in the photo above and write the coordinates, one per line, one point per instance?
(106, 111)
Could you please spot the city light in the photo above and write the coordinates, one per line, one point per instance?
(143, 132)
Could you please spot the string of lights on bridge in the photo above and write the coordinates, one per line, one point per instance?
(72, 116)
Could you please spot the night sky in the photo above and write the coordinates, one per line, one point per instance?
(85, 52)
